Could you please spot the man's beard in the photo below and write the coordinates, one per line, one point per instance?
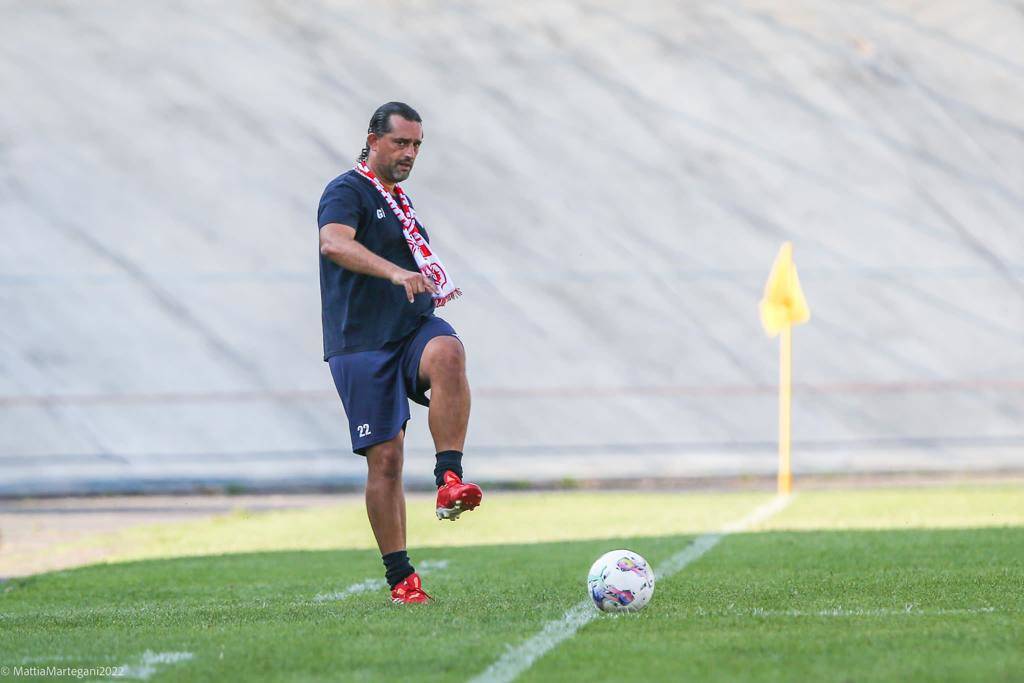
(399, 173)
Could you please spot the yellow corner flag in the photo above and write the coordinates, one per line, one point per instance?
(783, 303)
(782, 307)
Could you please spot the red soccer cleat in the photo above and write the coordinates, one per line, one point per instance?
(454, 497)
(409, 591)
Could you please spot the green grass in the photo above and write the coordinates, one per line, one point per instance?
(872, 594)
(825, 606)
(895, 508)
(505, 518)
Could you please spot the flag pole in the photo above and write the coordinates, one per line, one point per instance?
(782, 307)
(785, 402)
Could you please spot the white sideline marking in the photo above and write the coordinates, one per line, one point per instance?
(518, 659)
(47, 658)
(354, 589)
(147, 664)
(425, 567)
(840, 612)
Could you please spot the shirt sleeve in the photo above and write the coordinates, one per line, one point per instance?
(340, 204)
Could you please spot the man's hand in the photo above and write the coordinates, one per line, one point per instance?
(414, 283)
(338, 243)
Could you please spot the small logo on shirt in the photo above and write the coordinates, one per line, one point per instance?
(380, 213)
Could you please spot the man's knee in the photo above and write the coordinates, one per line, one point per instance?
(384, 460)
(444, 357)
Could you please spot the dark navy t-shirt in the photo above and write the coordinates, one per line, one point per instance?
(362, 312)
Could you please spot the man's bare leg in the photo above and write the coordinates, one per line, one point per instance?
(385, 496)
(443, 366)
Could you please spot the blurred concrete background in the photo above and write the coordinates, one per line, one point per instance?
(607, 182)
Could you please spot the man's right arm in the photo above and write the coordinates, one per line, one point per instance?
(338, 243)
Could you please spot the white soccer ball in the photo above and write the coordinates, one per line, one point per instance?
(621, 581)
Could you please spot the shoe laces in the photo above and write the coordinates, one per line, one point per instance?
(406, 589)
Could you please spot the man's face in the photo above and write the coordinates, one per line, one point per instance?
(394, 153)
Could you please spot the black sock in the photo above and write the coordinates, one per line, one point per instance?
(397, 567)
(447, 460)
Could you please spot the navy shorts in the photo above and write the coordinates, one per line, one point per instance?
(375, 385)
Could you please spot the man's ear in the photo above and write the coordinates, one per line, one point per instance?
(371, 141)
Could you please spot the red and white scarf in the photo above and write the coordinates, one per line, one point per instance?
(426, 260)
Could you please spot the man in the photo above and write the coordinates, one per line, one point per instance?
(379, 284)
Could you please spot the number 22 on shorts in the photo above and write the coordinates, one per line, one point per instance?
(364, 430)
